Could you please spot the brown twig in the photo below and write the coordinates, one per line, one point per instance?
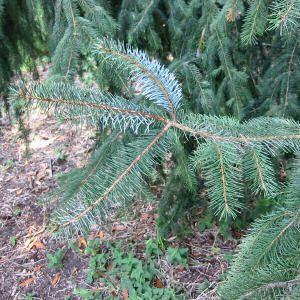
(110, 189)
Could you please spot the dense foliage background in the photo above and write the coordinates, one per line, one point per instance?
(232, 58)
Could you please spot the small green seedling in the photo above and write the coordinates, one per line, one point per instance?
(88, 294)
(93, 247)
(13, 240)
(152, 248)
(75, 247)
(29, 296)
(215, 250)
(60, 155)
(205, 223)
(178, 256)
(203, 286)
(9, 163)
(97, 266)
(55, 261)
(17, 211)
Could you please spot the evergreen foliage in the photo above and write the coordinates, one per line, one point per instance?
(228, 152)
(22, 38)
(236, 73)
(77, 24)
(267, 265)
(226, 54)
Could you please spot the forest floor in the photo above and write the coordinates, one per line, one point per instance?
(24, 241)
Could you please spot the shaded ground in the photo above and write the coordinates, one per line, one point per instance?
(23, 266)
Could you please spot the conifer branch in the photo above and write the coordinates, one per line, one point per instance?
(223, 178)
(276, 238)
(284, 16)
(89, 175)
(92, 40)
(270, 252)
(230, 76)
(284, 285)
(85, 104)
(70, 58)
(288, 78)
(251, 34)
(268, 224)
(143, 16)
(157, 82)
(111, 188)
(184, 128)
(257, 163)
(255, 21)
(73, 18)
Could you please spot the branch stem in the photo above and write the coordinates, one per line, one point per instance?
(171, 123)
(110, 189)
(284, 284)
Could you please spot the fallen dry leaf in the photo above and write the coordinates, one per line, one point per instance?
(83, 241)
(3, 259)
(118, 228)
(37, 268)
(101, 275)
(95, 290)
(101, 234)
(141, 246)
(41, 175)
(179, 269)
(114, 293)
(20, 191)
(159, 284)
(54, 281)
(29, 243)
(145, 216)
(109, 267)
(125, 294)
(27, 281)
(38, 244)
(60, 138)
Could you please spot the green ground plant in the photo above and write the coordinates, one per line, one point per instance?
(13, 240)
(56, 259)
(119, 268)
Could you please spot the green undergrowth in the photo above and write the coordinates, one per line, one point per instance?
(130, 270)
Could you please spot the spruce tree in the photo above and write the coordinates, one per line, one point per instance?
(219, 108)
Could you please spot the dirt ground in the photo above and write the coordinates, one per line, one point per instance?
(23, 182)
